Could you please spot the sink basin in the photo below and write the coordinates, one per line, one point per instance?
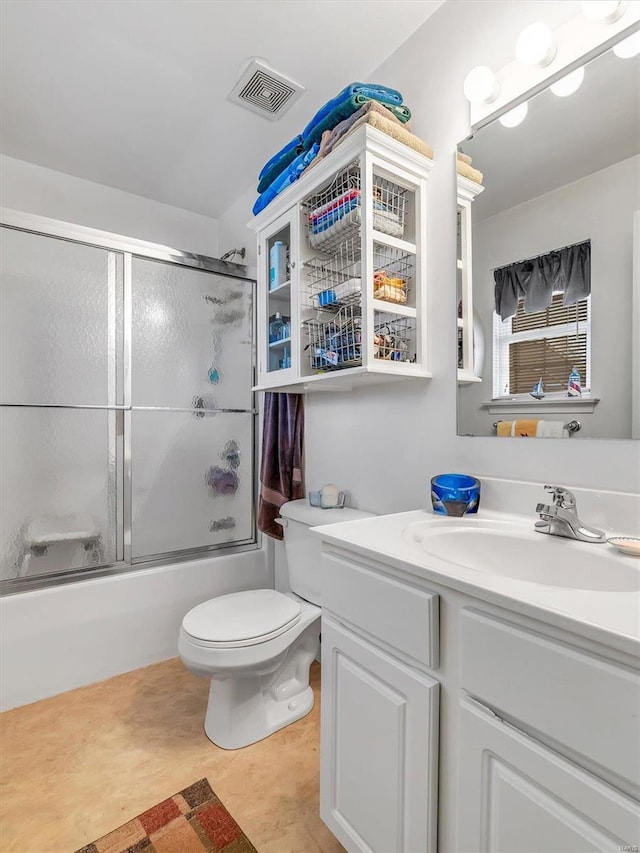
(507, 550)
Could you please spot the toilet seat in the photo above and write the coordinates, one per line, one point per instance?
(241, 619)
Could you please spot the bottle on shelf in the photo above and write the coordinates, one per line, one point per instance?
(278, 327)
(574, 388)
(277, 264)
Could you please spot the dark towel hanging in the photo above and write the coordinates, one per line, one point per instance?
(281, 469)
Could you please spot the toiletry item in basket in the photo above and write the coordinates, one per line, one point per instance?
(277, 264)
(329, 495)
(388, 288)
(574, 388)
(326, 297)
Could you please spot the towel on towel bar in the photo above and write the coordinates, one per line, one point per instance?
(532, 428)
(552, 429)
(525, 428)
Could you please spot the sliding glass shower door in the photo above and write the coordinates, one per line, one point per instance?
(192, 453)
(126, 411)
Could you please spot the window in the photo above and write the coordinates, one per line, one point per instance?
(542, 345)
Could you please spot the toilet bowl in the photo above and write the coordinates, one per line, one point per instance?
(257, 646)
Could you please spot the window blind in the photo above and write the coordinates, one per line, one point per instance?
(544, 344)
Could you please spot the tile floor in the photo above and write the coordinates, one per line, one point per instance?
(79, 764)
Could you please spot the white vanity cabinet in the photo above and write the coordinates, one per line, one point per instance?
(534, 728)
(549, 742)
(379, 752)
(341, 258)
(518, 796)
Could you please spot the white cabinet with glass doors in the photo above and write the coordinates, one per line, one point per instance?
(342, 271)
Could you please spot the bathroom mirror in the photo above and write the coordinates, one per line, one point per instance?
(550, 231)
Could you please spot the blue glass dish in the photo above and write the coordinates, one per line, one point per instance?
(455, 494)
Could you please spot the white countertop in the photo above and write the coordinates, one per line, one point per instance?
(607, 617)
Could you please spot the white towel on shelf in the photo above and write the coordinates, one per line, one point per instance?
(551, 429)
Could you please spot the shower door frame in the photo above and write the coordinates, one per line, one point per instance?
(130, 248)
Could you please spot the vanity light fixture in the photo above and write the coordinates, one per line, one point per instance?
(603, 11)
(536, 46)
(515, 116)
(568, 84)
(629, 47)
(481, 86)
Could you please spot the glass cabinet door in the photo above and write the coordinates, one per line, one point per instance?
(277, 346)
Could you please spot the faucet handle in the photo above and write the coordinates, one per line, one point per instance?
(562, 497)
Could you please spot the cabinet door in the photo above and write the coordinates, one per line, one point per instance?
(517, 796)
(378, 778)
(278, 332)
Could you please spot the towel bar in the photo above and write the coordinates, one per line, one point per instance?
(572, 426)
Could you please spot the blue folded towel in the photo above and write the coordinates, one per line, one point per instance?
(278, 167)
(369, 90)
(290, 146)
(286, 178)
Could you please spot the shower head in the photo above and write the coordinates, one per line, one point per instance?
(232, 252)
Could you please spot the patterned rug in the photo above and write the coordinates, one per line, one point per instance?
(192, 821)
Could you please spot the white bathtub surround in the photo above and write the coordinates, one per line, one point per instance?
(66, 636)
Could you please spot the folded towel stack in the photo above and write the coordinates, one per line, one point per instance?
(287, 165)
(464, 168)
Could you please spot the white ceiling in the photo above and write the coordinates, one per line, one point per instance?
(562, 139)
(132, 93)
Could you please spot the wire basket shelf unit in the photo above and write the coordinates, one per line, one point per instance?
(334, 214)
(336, 281)
(335, 341)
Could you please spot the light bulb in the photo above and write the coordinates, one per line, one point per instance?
(568, 84)
(481, 86)
(603, 11)
(628, 47)
(515, 116)
(536, 46)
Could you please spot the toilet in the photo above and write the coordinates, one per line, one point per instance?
(257, 646)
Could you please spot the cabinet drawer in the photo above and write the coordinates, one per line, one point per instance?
(581, 701)
(400, 617)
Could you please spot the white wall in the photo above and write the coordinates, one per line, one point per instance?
(384, 444)
(34, 189)
(599, 208)
(62, 637)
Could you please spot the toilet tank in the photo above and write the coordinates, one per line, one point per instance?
(302, 548)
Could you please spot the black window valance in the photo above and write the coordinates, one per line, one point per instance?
(567, 270)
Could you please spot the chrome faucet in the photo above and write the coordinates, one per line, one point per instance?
(561, 518)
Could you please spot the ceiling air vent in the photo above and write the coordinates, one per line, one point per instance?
(264, 90)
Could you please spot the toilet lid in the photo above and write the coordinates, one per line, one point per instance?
(242, 618)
